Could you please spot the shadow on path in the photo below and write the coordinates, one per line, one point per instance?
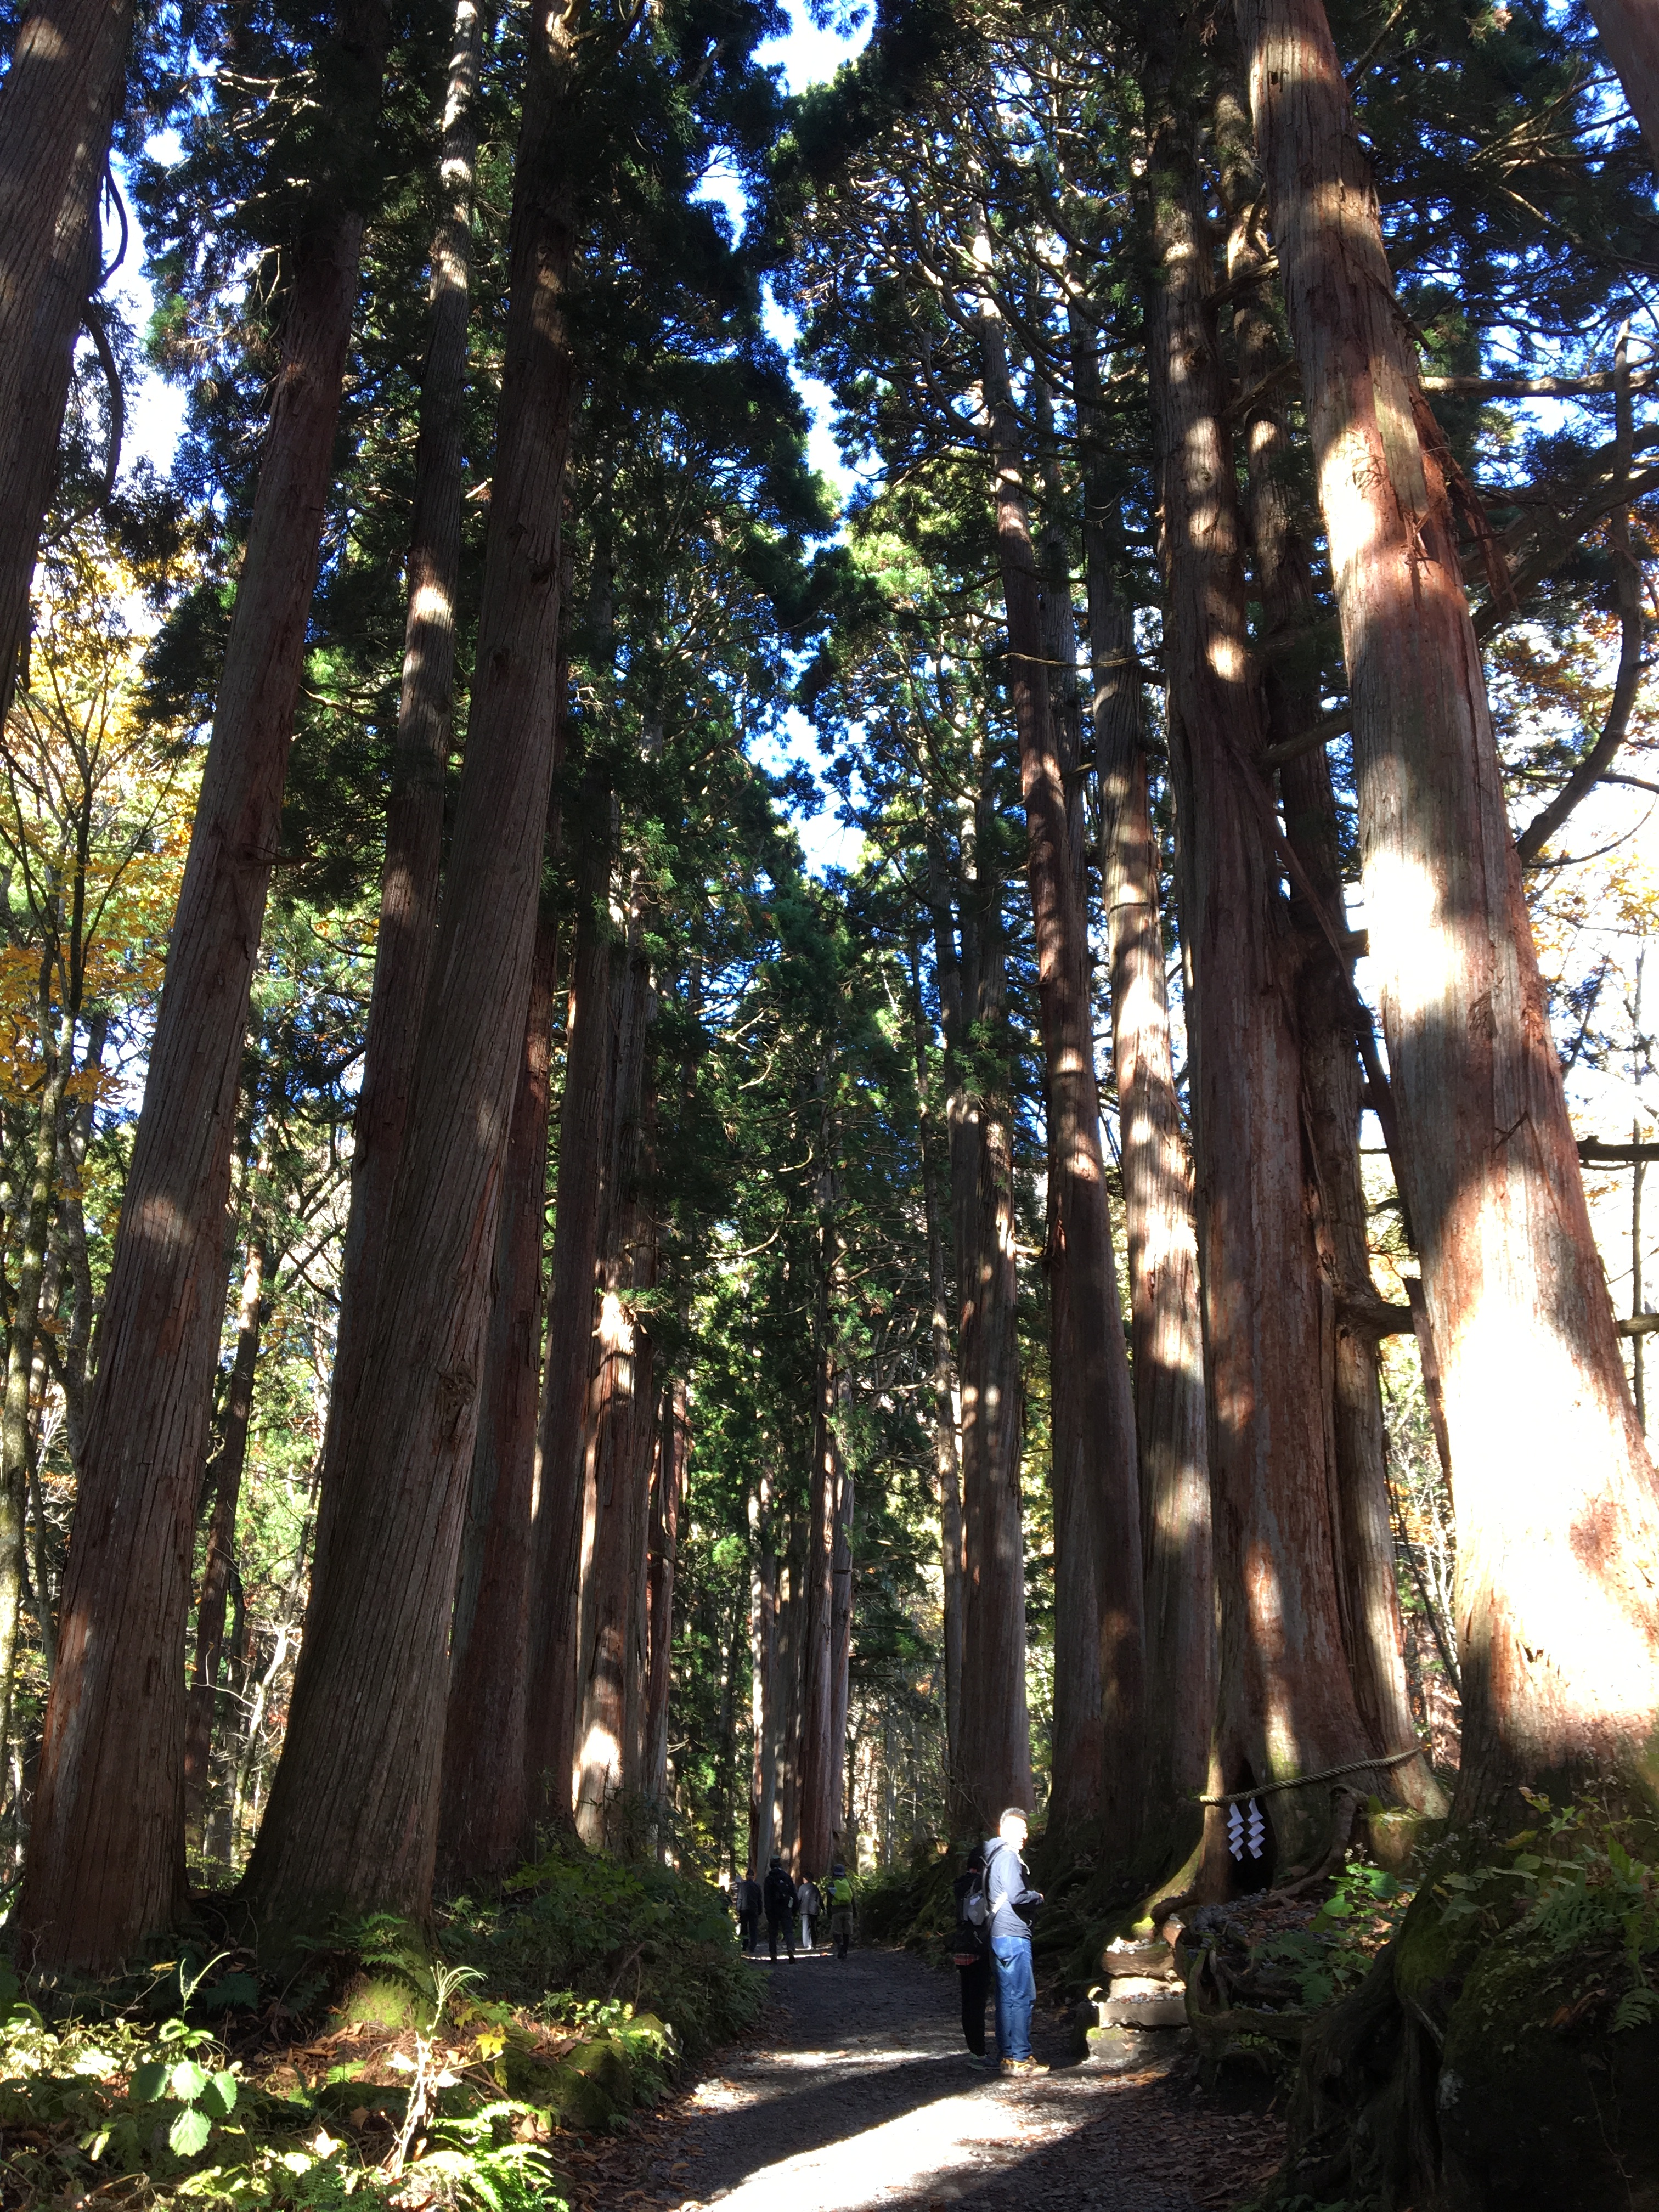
(858, 2093)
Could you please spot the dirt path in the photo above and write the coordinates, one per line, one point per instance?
(858, 2093)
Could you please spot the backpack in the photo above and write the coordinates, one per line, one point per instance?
(780, 1893)
(976, 1904)
(841, 1893)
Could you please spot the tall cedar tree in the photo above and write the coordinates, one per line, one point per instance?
(106, 1864)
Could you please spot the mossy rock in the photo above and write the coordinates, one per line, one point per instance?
(1397, 1832)
(587, 2089)
(1535, 2117)
(380, 2001)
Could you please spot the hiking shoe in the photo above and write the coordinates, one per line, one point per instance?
(1023, 2068)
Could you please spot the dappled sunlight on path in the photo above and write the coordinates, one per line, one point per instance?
(858, 2095)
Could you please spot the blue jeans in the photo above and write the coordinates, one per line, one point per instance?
(1016, 1995)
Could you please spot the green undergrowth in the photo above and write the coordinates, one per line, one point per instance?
(377, 2065)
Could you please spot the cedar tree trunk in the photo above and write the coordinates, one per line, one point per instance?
(584, 1118)
(1166, 1333)
(1106, 1430)
(415, 804)
(353, 1816)
(1286, 1706)
(1558, 1513)
(222, 1537)
(483, 1816)
(59, 102)
(107, 1861)
(667, 1496)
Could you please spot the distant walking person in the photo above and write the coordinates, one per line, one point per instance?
(748, 1911)
(809, 1903)
(1012, 1904)
(844, 1909)
(780, 1909)
(973, 1952)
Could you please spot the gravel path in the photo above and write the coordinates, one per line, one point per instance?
(858, 2093)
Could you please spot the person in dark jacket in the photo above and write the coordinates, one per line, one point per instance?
(1012, 1903)
(748, 1911)
(973, 1956)
(780, 1893)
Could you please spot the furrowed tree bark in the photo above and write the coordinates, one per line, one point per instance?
(550, 1703)
(763, 1657)
(617, 1478)
(232, 1461)
(1331, 1075)
(789, 1637)
(819, 1761)
(1109, 1473)
(1286, 1706)
(992, 1766)
(415, 804)
(840, 1629)
(352, 1819)
(1075, 1762)
(1556, 1509)
(947, 1460)
(1166, 1332)
(483, 1813)
(667, 1496)
(58, 103)
(106, 1844)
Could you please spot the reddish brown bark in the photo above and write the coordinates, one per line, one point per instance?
(611, 1655)
(107, 1846)
(1285, 1704)
(352, 1819)
(819, 1759)
(1557, 1507)
(1107, 1430)
(415, 804)
(667, 1496)
(1331, 1075)
(228, 1469)
(788, 1677)
(763, 1691)
(59, 102)
(483, 1813)
(947, 1458)
(1166, 1335)
(841, 1634)
(993, 1761)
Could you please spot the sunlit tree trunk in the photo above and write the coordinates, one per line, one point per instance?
(1106, 1429)
(1286, 1707)
(789, 1639)
(763, 1657)
(59, 102)
(556, 1573)
(1557, 1516)
(667, 1498)
(1332, 1074)
(818, 1757)
(841, 1628)
(1166, 1334)
(614, 1530)
(992, 1765)
(352, 1817)
(947, 1458)
(228, 1470)
(484, 1815)
(107, 1845)
(415, 804)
